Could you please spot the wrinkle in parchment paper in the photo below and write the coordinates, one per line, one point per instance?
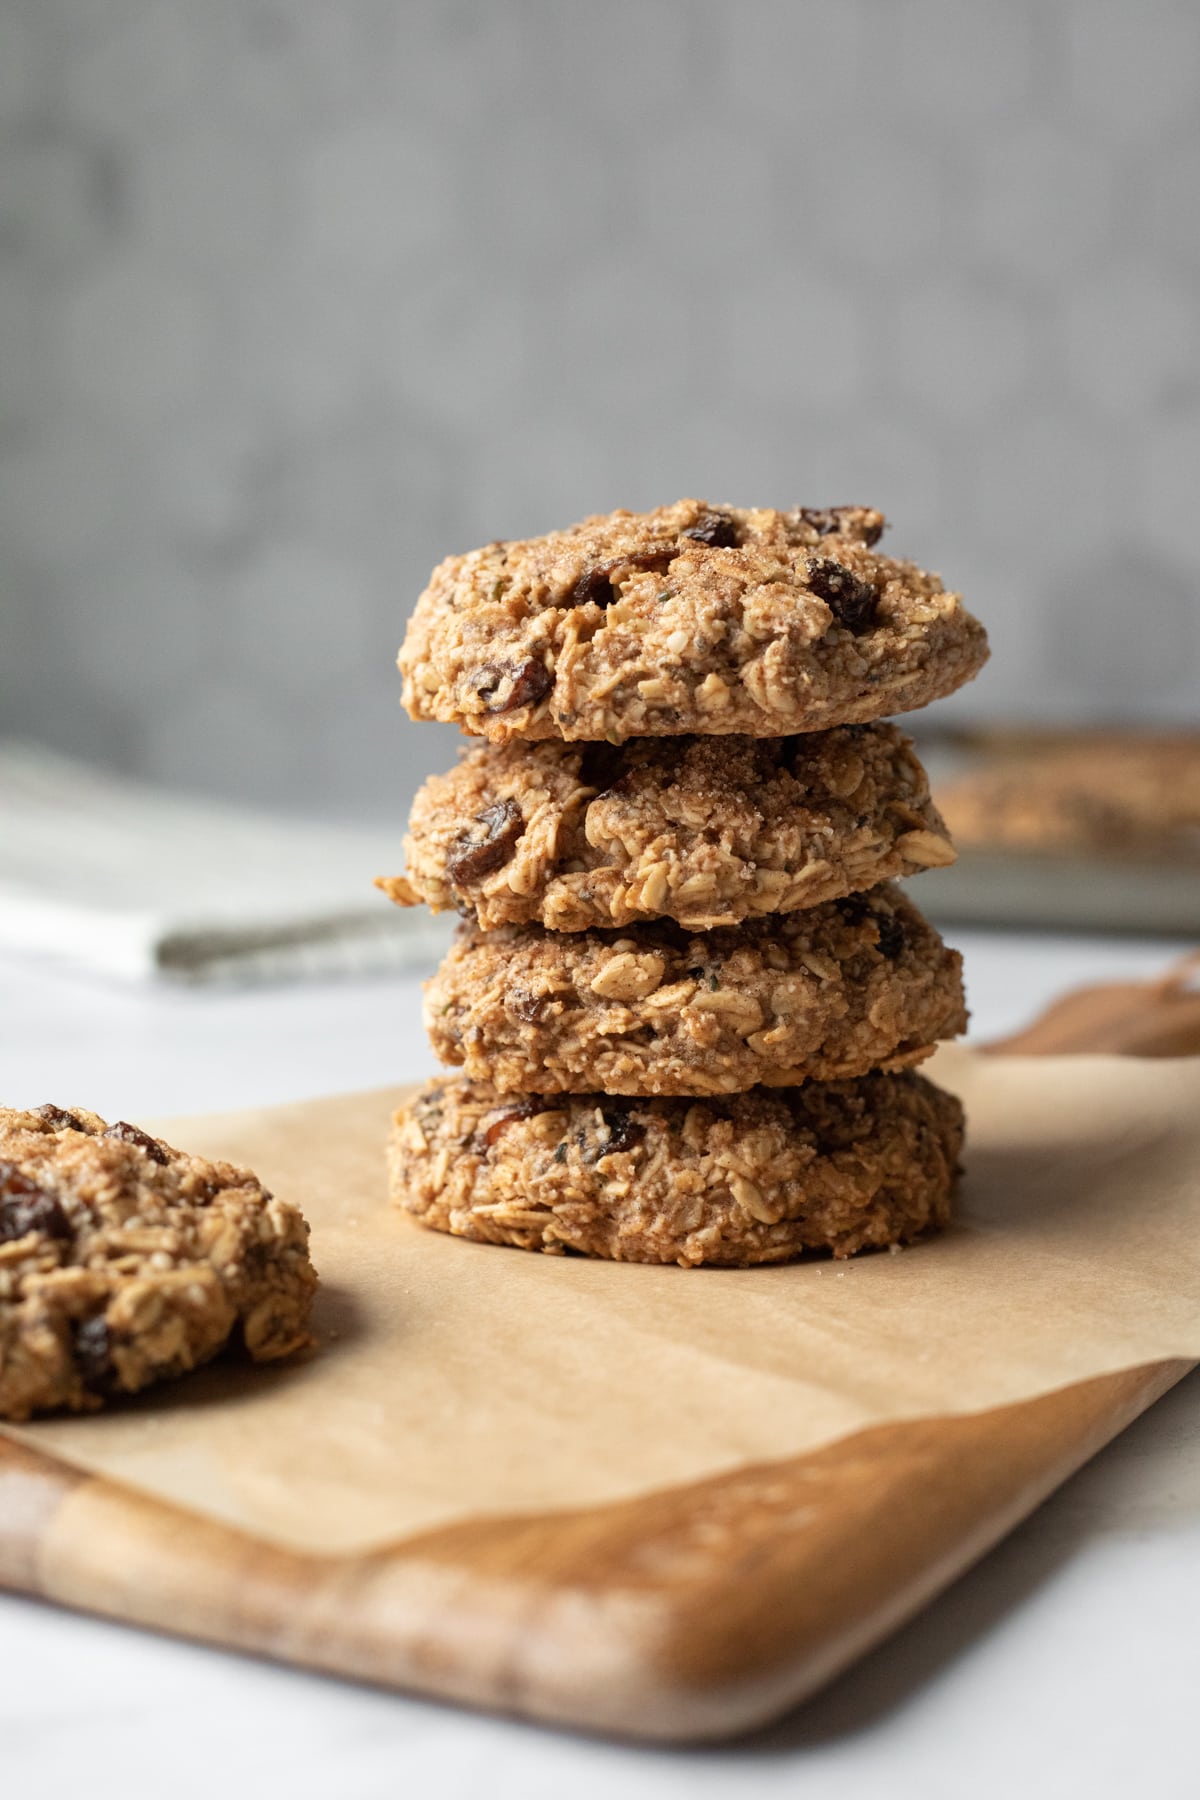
(458, 1379)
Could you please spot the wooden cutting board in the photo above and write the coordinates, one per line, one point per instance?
(689, 1613)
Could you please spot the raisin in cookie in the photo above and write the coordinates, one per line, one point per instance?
(687, 619)
(124, 1262)
(755, 1178)
(858, 984)
(705, 831)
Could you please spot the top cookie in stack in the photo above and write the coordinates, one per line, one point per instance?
(689, 619)
(704, 919)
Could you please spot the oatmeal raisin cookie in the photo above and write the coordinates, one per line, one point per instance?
(755, 1178)
(689, 619)
(857, 984)
(1108, 795)
(705, 831)
(124, 1262)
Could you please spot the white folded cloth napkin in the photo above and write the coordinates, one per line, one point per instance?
(132, 881)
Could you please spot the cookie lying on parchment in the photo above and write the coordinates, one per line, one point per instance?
(861, 983)
(124, 1262)
(706, 831)
(687, 619)
(750, 1178)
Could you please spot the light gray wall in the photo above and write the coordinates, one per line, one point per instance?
(295, 297)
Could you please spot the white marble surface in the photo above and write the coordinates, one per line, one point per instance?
(1063, 1665)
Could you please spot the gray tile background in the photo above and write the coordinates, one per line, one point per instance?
(295, 297)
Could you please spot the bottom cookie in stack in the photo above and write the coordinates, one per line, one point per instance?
(755, 1177)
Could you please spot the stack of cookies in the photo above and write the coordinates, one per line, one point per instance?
(687, 996)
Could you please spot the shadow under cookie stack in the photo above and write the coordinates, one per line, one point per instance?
(687, 996)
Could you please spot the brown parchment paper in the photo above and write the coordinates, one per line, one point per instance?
(455, 1380)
